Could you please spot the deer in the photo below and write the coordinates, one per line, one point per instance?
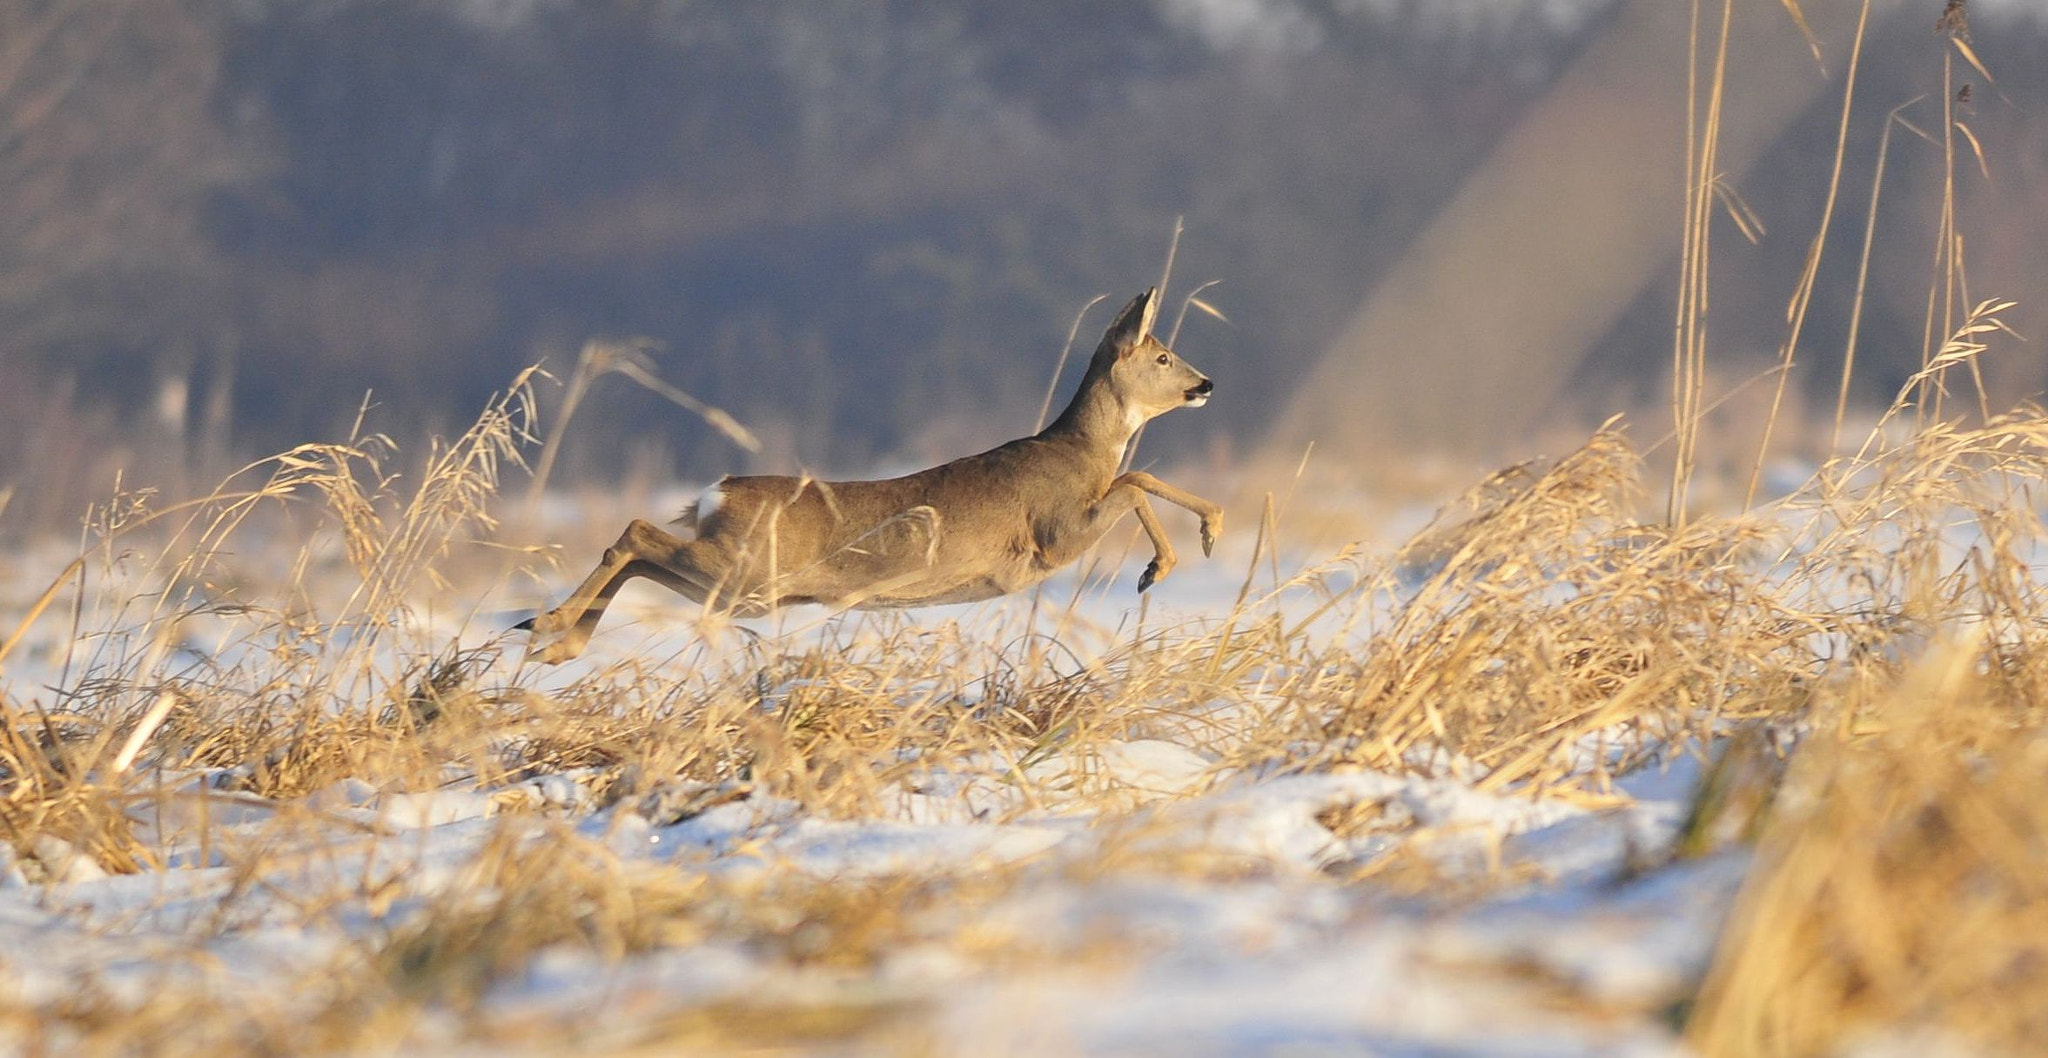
(976, 528)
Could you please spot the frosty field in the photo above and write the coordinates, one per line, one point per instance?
(1541, 778)
(1721, 730)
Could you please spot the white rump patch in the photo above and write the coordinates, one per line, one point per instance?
(708, 502)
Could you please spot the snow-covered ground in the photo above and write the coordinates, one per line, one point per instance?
(1218, 911)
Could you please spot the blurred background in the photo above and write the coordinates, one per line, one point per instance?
(866, 228)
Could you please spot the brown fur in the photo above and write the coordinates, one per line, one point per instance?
(975, 528)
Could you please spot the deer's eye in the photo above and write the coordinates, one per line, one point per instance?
(1164, 359)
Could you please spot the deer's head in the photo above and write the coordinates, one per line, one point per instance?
(1148, 378)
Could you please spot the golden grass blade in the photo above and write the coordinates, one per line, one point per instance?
(1172, 251)
(1746, 220)
(1208, 308)
(1915, 129)
(1812, 43)
(1165, 276)
(1976, 149)
(1173, 337)
(1947, 266)
(628, 358)
(1970, 56)
(1052, 384)
(35, 610)
(144, 728)
(1802, 295)
(717, 418)
(1863, 258)
(587, 368)
(1689, 333)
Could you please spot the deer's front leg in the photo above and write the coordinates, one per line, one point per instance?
(1125, 496)
(1211, 514)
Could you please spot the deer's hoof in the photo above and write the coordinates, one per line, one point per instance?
(1149, 577)
(553, 653)
(1211, 529)
(545, 623)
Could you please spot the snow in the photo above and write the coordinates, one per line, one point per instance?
(1278, 944)
(1283, 957)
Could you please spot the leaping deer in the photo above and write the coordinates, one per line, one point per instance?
(972, 529)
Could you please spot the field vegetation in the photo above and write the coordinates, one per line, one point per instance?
(281, 784)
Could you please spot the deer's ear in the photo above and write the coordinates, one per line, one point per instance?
(1134, 322)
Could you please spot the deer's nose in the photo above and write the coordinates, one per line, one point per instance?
(1202, 388)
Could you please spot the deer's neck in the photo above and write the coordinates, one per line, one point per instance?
(1098, 417)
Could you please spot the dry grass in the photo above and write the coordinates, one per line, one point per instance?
(1903, 887)
(1540, 639)
(1864, 661)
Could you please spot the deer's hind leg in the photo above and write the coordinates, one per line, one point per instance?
(693, 569)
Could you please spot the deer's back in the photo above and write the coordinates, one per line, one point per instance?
(970, 529)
